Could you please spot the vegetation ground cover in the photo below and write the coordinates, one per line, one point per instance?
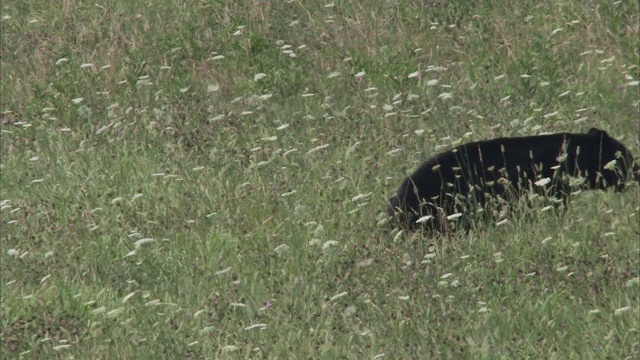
(208, 179)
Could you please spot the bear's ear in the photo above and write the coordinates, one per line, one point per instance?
(596, 131)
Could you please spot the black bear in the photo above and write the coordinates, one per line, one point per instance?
(472, 176)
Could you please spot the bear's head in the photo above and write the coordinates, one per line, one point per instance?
(615, 161)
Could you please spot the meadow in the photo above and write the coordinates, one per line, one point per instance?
(207, 179)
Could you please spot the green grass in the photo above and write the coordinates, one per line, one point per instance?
(162, 199)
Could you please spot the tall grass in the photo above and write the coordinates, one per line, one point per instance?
(206, 179)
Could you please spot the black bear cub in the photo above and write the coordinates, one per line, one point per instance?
(471, 177)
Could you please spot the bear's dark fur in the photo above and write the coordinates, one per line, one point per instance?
(472, 175)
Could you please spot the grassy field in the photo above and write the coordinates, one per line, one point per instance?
(206, 179)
